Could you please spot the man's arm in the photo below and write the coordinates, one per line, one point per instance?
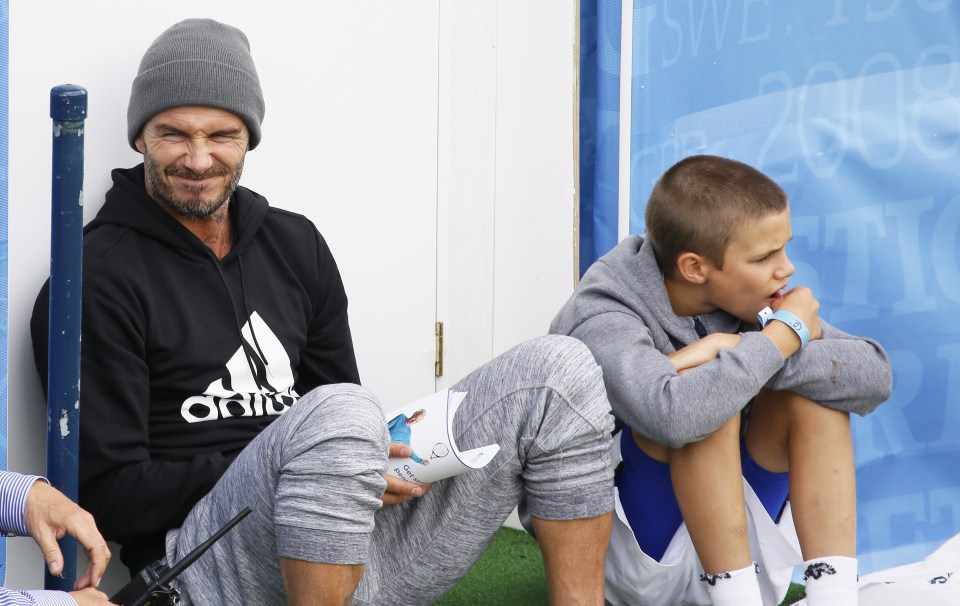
(119, 482)
(82, 597)
(30, 506)
(328, 356)
(49, 515)
(9, 597)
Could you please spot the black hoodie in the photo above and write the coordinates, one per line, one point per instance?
(186, 358)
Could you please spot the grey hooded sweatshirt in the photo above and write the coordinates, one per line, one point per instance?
(622, 312)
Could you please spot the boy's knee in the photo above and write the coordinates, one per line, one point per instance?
(795, 408)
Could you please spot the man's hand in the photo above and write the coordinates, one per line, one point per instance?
(90, 597)
(49, 515)
(400, 491)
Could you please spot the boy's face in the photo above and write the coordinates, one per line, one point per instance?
(755, 268)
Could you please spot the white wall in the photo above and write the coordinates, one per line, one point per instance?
(432, 142)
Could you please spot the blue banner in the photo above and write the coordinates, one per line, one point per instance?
(599, 127)
(854, 108)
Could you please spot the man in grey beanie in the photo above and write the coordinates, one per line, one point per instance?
(208, 314)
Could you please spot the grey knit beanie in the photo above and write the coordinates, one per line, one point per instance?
(197, 62)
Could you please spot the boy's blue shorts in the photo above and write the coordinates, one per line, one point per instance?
(646, 493)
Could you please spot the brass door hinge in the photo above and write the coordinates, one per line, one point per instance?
(438, 360)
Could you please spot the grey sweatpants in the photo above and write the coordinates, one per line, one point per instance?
(314, 479)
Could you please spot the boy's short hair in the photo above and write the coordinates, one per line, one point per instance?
(701, 202)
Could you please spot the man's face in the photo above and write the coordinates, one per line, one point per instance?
(755, 268)
(193, 158)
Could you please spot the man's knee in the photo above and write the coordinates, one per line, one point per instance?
(340, 397)
(336, 426)
(568, 368)
(330, 473)
(348, 409)
(566, 355)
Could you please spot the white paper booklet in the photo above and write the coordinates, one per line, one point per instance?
(427, 426)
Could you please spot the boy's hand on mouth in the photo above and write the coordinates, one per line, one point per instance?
(800, 301)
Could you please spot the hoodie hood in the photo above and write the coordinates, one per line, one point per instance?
(628, 279)
(128, 205)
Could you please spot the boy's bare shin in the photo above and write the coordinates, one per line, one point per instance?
(574, 552)
(823, 489)
(708, 483)
(817, 447)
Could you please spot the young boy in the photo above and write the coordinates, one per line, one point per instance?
(672, 318)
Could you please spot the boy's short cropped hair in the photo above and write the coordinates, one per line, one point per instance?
(701, 202)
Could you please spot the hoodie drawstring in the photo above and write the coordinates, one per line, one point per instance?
(239, 321)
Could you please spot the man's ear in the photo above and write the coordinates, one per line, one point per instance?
(139, 143)
(692, 268)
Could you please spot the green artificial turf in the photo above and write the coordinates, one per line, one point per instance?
(510, 573)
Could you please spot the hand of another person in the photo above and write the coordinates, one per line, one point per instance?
(90, 597)
(400, 491)
(49, 515)
(800, 301)
(702, 351)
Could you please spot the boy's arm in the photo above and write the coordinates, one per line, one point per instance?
(700, 352)
(840, 371)
(648, 394)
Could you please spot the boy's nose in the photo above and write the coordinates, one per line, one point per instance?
(787, 269)
(784, 268)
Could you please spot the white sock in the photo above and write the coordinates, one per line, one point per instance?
(831, 581)
(734, 588)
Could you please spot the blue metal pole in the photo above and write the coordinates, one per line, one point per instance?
(68, 109)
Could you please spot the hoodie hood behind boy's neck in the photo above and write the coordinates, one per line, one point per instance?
(630, 274)
(127, 204)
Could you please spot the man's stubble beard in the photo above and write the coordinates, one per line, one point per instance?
(159, 190)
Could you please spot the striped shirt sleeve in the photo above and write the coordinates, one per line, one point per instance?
(13, 499)
(8, 597)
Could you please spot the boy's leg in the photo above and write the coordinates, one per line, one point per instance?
(707, 480)
(544, 403)
(819, 455)
(313, 479)
(708, 483)
(789, 432)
